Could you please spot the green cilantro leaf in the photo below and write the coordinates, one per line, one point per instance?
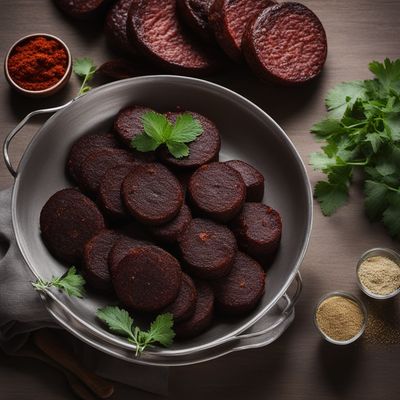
(178, 150)
(342, 96)
(71, 283)
(159, 130)
(375, 199)
(84, 68)
(186, 129)
(327, 127)
(331, 196)
(387, 73)
(117, 320)
(120, 322)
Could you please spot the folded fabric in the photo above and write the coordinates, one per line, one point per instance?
(22, 312)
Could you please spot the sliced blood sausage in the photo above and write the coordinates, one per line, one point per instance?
(258, 230)
(202, 150)
(202, 316)
(218, 191)
(241, 290)
(195, 14)
(147, 279)
(109, 193)
(120, 250)
(67, 221)
(84, 146)
(115, 28)
(253, 179)
(169, 233)
(228, 19)
(155, 29)
(184, 305)
(152, 194)
(207, 248)
(286, 44)
(128, 123)
(81, 8)
(95, 256)
(96, 165)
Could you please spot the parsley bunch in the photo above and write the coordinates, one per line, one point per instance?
(71, 283)
(159, 130)
(362, 131)
(120, 322)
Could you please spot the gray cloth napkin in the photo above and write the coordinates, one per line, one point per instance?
(22, 312)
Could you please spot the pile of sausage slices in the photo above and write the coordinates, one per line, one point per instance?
(189, 236)
(283, 42)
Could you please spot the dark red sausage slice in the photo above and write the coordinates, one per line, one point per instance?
(195, 14)
(242, 289)
(286, 43)
(207, 248)
(253, 179)
(202, 150)
(169, 233)
(147, 279)
(96, 165)
(115, 27)
(184, 305)
(120, 250)
(154, 27)
(229, 18)
(86, 145)
(128, 123)
(81, 8)
(67, 221)
(95, 256)
(109, 193)
(218, 191)
(152, 194)
(202, 316)
(258, 230)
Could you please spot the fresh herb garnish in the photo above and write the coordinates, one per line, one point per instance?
(71, 283)
(362, 131)
(120, 322)
(159, 130)
(84, 68)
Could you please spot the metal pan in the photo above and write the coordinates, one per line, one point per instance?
(248, 133)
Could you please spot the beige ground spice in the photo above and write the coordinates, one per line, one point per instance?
(380, 275)
(340, 318)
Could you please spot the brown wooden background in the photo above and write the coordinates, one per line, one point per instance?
(299, 365)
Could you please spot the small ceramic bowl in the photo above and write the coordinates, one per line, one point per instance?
(388, 253)
(351, 297)
(52, 89)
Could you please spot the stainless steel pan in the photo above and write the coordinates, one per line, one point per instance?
(248, 133)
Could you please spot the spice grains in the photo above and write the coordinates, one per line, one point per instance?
(339, 318)
(380, 275)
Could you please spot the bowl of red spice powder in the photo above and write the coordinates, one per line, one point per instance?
(38, 65)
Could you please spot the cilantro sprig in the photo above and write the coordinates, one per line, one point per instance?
(120, 322)
(159, 130)
(71, 283)
(84, 68)
(362, 132)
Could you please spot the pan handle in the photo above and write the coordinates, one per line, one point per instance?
(265, 336)
(12, 134)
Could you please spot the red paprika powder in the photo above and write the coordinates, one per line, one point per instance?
(38, 63)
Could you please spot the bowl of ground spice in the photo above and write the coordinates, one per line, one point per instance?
(378, 273)
(38, 65)
(340, 317)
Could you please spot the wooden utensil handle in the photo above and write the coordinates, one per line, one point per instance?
(53, 347)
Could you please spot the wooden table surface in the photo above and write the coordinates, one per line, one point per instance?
(299, 365)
